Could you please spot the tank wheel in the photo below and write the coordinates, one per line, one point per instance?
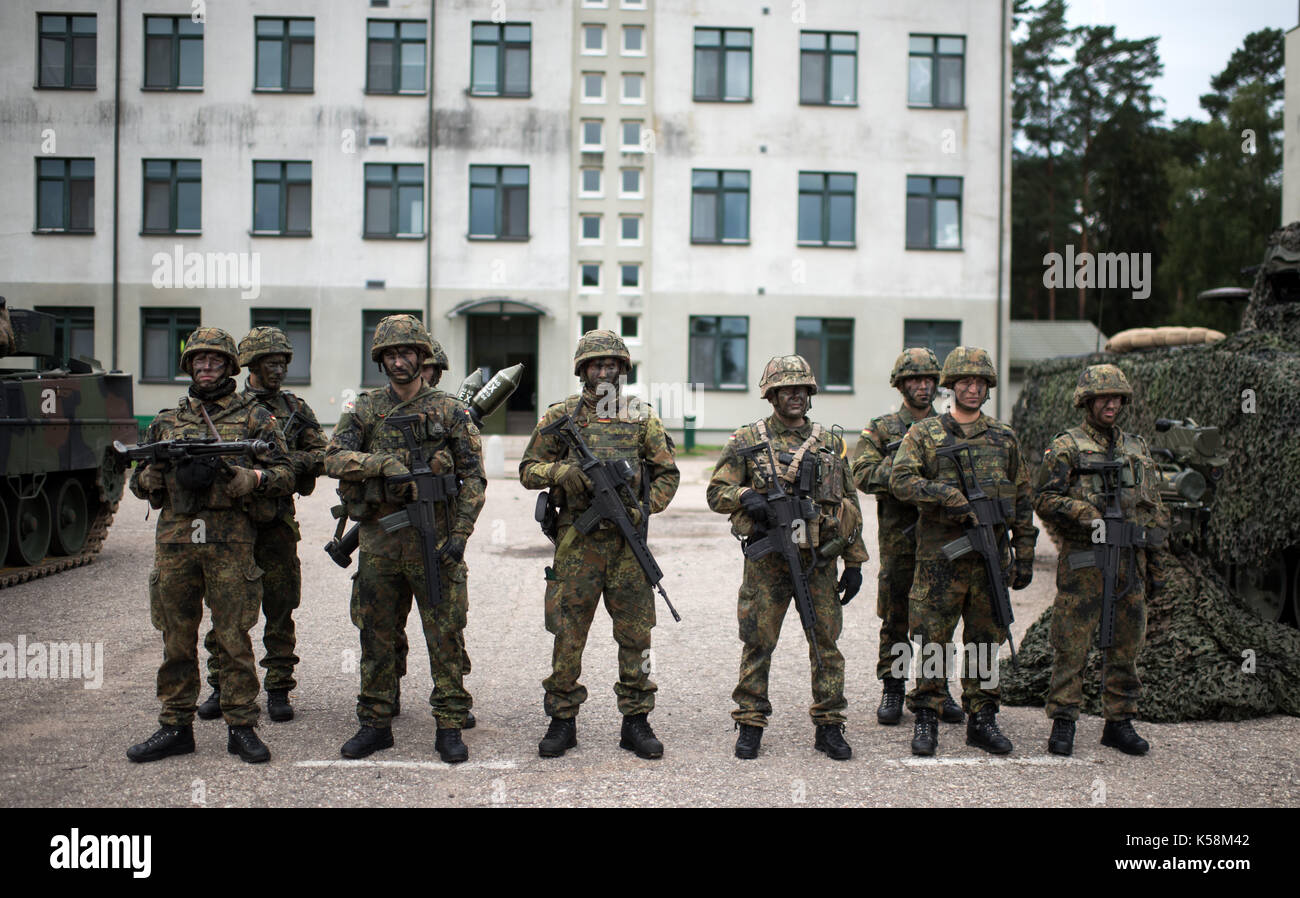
(71, 518)
(29, 526)
(1263, 588)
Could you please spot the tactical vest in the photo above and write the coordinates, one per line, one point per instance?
(609, 439)
(814, 469)
(1139, 479)
(264, 509)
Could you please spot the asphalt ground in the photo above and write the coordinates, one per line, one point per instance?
(63, 745)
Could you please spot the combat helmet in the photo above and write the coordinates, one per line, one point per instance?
(787, 371)
(262, 341)
(968, 361)
(438, 359)
(915, 362)
(400, 330)
(601, 345)
(209, 339)
(1101, 380)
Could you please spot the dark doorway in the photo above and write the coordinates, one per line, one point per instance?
(499, 341)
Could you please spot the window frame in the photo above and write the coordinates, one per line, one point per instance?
(635, 289)
(287, 40)
(639, 193)
(176, 41)
(500, 202)
(722, 50)
(829, 54)
(716, 382)
(623, 50)
(284, 183)
(826, 193)
(397, 41)
(930, 343)
(394, 184)
(584, 240)
(639, 240)
(599, 192)
(174, 179)
(825, 339)
(591, 288)
(720, 191)
(585, 147)
(69, 38)
(178, 334)
(66, 180)
(502, 45)
(69, 318)
(595, 27)
(933, 197)
(934, 56)
(287, 320)
(622, 89)
(583, 96)
(637, 147)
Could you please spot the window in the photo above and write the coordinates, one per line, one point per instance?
(172, 195)
(589, 229)
(74, 331)
(286, 54)
(826, 208)
(629, 229)
(282, 198)
(296, 324)
(498, 202)
(593, 136)
(394, 200)
(634, 4)
(501, 64)
(173, 53)
(634, 40)
(590, 185)
(828, 68)
(163, 333)
(629, 187)
(629, 280)
(589, 323)
(629, 328)
(719, 351)
(631, 136)
(941, 337)
(595, 4)
(590, 277)
(936, 71)
(723, 63)
(827, 344)
(66, 51)
(719, 206)
(593, 40)
(65, 195)
(933, 213)
(394, 56)
(633, 88)
(371, 376)
(593, 87)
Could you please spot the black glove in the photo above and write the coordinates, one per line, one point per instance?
(850, 583)
(755, 506)
(199, 473)
(1023, 574)
(962, 512)
(454, 549)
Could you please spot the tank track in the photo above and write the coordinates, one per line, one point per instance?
(51, 564)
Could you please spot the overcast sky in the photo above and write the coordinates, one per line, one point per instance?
(1196, 37)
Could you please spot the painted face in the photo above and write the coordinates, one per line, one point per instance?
(790, 402)
(919, 391)
(208, 367)
(271, 369)
(971, 393)
(401, 363)
(1104, 410)
(603, 370)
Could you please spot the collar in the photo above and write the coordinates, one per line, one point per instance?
(775, 427)
(1099, 436)
(905, 412)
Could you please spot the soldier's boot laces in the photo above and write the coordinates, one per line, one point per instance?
(244, 742)
(925, 734)
(366, 742)
(211, 707)
(952, 712)
(449, 746)
(1120, 734)
(982, 732)
(748, 741)
(166, 742)
(561, 736)
(890, 711)
(638, 737)
(277, 705)
(830, 739)
(1061, 742)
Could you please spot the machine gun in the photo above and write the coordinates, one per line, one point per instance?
(610, 481)
(165, 453)
(1191, 465)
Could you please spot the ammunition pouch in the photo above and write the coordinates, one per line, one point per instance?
(547, 513)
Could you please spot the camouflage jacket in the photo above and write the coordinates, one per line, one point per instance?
(928, 481)
(638, 437)
(1068, 501)
(871, 470)
(306, 453)
(833, 491)
(224, 519)
(448, 439)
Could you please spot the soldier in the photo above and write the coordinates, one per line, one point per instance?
(266, 353)
(363, 452)
(204, 549)
(600, 562)
(916, 377)
(1069, 501)
(788, 384)
(944, 590)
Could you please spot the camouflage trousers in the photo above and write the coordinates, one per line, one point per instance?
(766, 594)
(403, 646)
(225, 577)
(383, 593)
(276, 553)
(942, 592)
(893, 584)
(584, 568)
(1076, 614)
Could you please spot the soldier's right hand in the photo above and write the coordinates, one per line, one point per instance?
(756, 507)
(151, 479)
(956, 507)
(382, 464)
(571, 478)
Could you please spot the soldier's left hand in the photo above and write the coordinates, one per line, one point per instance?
(636, 517)
(1023, 574)
(454, 550)
(151, 479)
(243, 481)
(850, 583)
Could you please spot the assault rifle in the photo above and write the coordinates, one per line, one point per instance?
(169, 452)
(610, 481)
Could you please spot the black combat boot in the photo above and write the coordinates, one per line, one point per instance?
(211, 707)
(925, 735)
(638, 737)
(748, 741)
(1120, 734)
(277, 705)
(890, 711)
(244, 742)
(470, 722)
(952, 712)
(1061, 742)
(166, 742)
(449, 747)
(367, 741)
(561, 736)
(830, 739)
(982, 732)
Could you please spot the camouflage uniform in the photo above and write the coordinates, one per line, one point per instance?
(7, 340)
(204, 552)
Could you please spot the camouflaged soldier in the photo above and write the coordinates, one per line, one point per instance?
(362, 454)
(204, 549)
(738, 489)
(943, 590)
(1070, 503)
(600, 562)
(266, 353)
(916, 377)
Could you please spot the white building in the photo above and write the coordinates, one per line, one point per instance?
(720, 183)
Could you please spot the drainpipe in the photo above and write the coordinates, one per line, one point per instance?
(428, 202)
(117, 142)
(1002, 193)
